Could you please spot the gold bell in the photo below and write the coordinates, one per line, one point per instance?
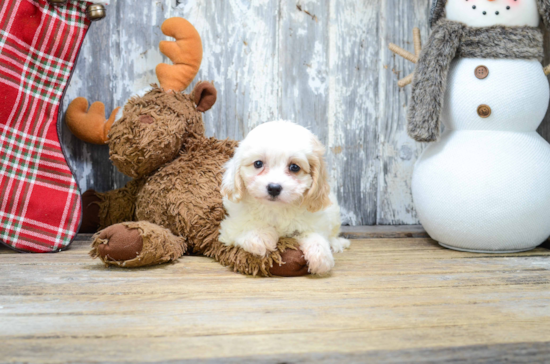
(95, 12)
(57, 2)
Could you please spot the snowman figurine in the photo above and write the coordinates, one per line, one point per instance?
(484, 184)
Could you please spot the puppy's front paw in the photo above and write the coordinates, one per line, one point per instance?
(258, 242)
(338, 245)
(317, 253)
(319, 262)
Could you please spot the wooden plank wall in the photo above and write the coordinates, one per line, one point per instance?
(321, 63)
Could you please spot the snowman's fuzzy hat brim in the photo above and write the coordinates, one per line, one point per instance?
(438, 11)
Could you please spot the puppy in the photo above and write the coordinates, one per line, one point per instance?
(276, 185)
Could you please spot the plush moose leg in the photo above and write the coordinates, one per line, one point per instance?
(140, 244)
(101, 210)
(287, 261)
(137, 244)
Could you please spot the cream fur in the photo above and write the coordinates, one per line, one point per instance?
(305, 209)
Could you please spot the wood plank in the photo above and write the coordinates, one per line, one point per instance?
(356, 232)
(303, 37)
(399, 151)
(384, 232)
(514, 353)
(387, 298)
(241, 57)
(354, 107)
(169, 348)
(349, 232)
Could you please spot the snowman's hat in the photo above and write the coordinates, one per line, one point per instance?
(438, 11)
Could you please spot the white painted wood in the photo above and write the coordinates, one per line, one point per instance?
(321, 63)
(396, 151)
(241, 57)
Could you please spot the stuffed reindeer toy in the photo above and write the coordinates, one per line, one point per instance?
(173, 205)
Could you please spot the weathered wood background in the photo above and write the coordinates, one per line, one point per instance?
(321, 63)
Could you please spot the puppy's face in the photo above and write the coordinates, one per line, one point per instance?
(276, 174)
(279, 163)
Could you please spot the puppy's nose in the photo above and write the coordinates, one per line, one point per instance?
(274, 189)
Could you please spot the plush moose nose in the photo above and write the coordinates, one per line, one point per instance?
(274, 189)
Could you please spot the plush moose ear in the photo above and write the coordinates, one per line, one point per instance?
(204, 95)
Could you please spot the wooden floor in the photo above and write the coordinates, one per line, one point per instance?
(399, 300)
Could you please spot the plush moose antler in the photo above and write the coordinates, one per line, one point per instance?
(89, 125)
(186, 52)
(547, 70)
(417, 40)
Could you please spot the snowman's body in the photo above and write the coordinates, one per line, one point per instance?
(485, 186)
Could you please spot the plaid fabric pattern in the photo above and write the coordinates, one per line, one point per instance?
(39, 199)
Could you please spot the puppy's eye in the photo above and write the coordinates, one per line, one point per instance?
(258, 164)
(294, 168)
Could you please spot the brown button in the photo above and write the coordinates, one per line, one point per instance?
(484, 111)
(482, 72)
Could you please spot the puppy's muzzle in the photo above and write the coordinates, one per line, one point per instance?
(274, 189)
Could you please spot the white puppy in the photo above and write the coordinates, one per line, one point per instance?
(276, 185)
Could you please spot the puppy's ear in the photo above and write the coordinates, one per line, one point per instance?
(233, 184)
(318, 196)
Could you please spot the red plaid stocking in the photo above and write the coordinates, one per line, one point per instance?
(39, 198)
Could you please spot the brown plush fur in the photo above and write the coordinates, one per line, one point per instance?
(119, 205)
(137, 148)
(176, 203)
(243, 262)
(184, 195)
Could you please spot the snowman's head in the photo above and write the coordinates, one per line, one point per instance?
(486, 13)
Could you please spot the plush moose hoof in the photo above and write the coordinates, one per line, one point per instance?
(295, 264)
(137, 244)
(90, 212)
(121, 243)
